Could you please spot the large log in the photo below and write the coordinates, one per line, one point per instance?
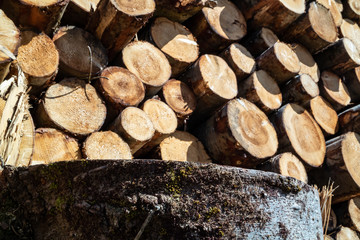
(78, 12)
(352, 81)
(240, 134)
(42, 15)
(349, 120)
(351, 10)
(178, 10)
(350, 30)
(180, 200)
(307, 62)
(334, 9)
(257, 42)
(115, 22)
(346, 233)
(299, 133)
(217, 27)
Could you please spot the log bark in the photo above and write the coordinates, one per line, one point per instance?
(217, 27)
(300, 90)
(348, 213)
(52, 145)
(78, 12)
(351, 10)
(240, 134)
(262, 90)
(346, 234)
(307, 62)
(176, 42)
(10, 39)
(105, 145)
(72, 105)
(351, 30)
(346, 57)
(42, 15)
(134, 126)
(195, 201)
(298, 132)
(352, 81)
(334, 9)
(148, 63)
(349, 120)
(240, 60)
(280, 61)
(213, 82)
(258, 42)
(315, 29)
(115, 22)
(76, 59)
(285, 164)
(39, 60)
(177, 10)
(334, 90)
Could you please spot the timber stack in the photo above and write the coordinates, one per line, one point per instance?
(269, 85)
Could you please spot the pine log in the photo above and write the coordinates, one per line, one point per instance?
(72, 105)
(346, 233)
(76, 59)
(349, 120)
(217, 27)
(339, 57)
(298, 132)
(351, 10)
(240, 134)
(334, 90)
(180, 98)
(148, 63)
(134, 126)
(274, 14)
(280, 61)
(349, 213)
(39, 14)
(324, 114)
(307, 62)
(240, 60)
(334, 10)
(52, 145)
(351, 30)
(116, 22)
(260, 41)
(300, 90)
(285, 164)
(10, 39)
(78, 12)
(352, 81)
(262, 90)
(315, 29)
(105, 145)
(178, 10)
(176, 42)
(213, 82)
(39, 60)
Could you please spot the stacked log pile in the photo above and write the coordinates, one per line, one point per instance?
(270, 85)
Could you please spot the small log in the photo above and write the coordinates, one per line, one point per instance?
(349, 120)
(262, 90)
(76, 59)
(298, 132)
(178, 10)
(280, 61)
(182, 146)
(315, 29)
(176, 42)
(334, 9)
(352, 81)
(346, 58)
(72, 105)
(240, 60)
(351, 30)
(39, 60)
(10, 39)
(27, 141)
(346, 233)
(213, 82)
(52, 145)
(300, 90)
(148, 63)
(116, 22)
(334, 90)
(105, 145)
(260, 41)
(307, 62)
(180, 98)
(349, 213)
(217, 27)
(42, 15)
(324, 114)
(285, 164)
(240, 134)
(78, 12)
(134, 126)
(351, 10)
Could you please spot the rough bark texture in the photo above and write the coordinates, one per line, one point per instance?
(108, 199)
(352, 80)
(78, 12)
(349, 120)
(178, 10)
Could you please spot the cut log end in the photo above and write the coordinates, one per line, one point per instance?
(268, 36)
(346, 233)
(40, 3)
(241, 60)
(322, 22)
(324, 115)
(136, 7)
(352, 50)
(287, 57)
(9, 38)
(106, 145)
(309, 85)
(291, 166)
(354, 5)
(307, 62)
(334, 10)
(350, 149)
(335, 89)
(354, 212)
(297, 6)
(351, 31)
(27, 141)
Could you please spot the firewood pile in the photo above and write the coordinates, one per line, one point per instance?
(269, 85)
